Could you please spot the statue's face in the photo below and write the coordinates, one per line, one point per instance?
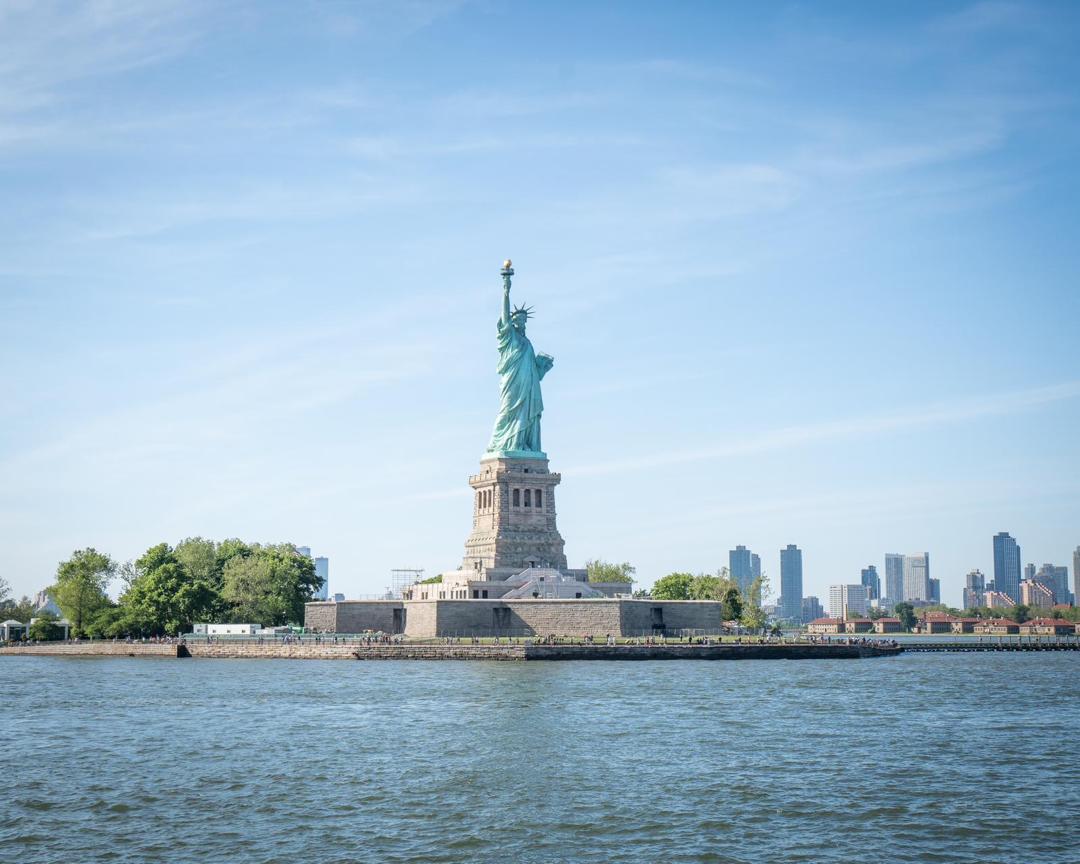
(519, 322)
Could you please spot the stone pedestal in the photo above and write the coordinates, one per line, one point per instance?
(513, 519)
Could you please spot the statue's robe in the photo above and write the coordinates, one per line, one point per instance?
(517, 428)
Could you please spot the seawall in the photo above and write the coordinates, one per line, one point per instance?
(94, 649)
(440, 651)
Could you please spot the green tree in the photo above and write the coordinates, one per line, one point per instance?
(21, 610)
(602, 571)
(102, 624)
(229, 549)
(1019, 613)
(875, 612)
(721, 588)
(906, 613)
(674, 586)
(45, 628)
(705, 587)
(270, 586)
(80, 586)
(165, 598)
(431, 580)
(753, 602)
(732, 604)
(201, 559)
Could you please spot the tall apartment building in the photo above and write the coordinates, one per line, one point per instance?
(974, 588)
(744, 565)
(917, 578)
(1007, 565)
(811, 609)
(998, 600)
(322, 570)
(1076, 576)
(935, 590)
(1056, 579)
(894, 577)
(791, 582)
(872, 581)
(848, 601)
(1033, 593)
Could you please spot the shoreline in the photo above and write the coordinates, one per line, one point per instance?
(435, 651)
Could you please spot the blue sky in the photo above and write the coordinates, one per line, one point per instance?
(808, 271)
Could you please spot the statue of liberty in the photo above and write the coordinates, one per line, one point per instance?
(517, 428)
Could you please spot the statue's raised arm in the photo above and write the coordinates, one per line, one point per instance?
(507, 272)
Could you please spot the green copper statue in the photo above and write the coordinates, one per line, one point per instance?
(517, 428)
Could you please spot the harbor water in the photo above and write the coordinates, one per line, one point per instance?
(918, 758)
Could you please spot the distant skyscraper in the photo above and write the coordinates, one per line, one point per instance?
(872, 581)
(1056, 579)
(974, 588)
(998, 600)
(755, 565)
(741, 564)
(894, 577)
(322, 570)
(1037, 594)
(935, 590)
(791, 582)
(811, 609)
(1007, 565)
(1076, 576)
(1029, 571)
(847, 601)
(917, 578)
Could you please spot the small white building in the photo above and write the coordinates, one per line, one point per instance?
(232, 629)
(12, 629)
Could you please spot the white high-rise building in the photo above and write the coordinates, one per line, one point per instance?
(894, 578)
(848, 601)
(917, 578)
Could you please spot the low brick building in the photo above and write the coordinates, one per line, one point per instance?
(858, 625)
(887, 625)
(824, 626)
(997, 627)
(1047, 627)
(935, 622)
(964, 625)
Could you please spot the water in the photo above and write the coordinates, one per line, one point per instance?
(964, 757)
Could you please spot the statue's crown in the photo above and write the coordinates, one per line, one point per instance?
(527, 311)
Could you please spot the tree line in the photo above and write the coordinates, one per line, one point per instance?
(168, 588)
(746, 607)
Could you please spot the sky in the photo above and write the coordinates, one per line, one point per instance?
(809, 273)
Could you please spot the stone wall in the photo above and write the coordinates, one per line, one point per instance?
(94, 649)
(309, 649)
(426, 618)
(645, 617)
(354, 616)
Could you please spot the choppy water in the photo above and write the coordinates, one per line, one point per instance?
(920, 758)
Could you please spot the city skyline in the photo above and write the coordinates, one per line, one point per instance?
(262, 304)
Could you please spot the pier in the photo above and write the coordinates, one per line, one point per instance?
(971, 645)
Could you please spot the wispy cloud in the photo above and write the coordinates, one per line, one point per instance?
(848, 429)
(46, 46)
